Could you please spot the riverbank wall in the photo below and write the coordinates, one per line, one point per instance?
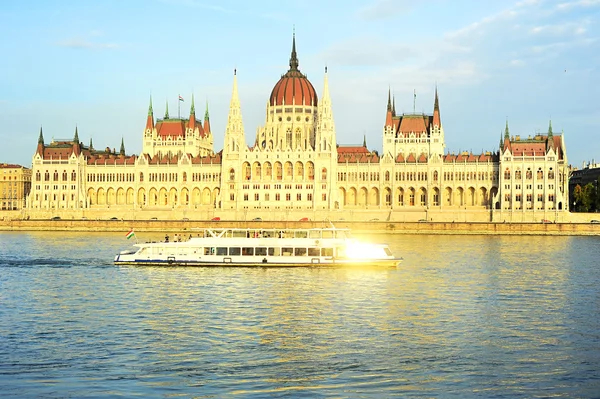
(371, 227)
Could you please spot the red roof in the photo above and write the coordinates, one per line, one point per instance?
(352, 149)
(293, 87)
(171, 128)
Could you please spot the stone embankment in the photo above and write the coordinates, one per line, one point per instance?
(466, 228)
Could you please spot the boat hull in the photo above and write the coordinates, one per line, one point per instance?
(366, 263)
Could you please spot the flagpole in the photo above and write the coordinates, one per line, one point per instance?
(415, 101)
(178, 106)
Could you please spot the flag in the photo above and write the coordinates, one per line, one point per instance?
(130, 234)
(180, 98)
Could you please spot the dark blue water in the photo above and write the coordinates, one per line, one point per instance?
(464, 317)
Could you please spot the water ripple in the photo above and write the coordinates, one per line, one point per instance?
(463, 317)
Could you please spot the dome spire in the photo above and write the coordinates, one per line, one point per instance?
(41, 137)
(294, 57)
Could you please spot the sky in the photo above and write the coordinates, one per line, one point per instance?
(95, 64)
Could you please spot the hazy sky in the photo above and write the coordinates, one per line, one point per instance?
(94, 64)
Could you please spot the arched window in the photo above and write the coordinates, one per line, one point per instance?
(231, 174)
(184, 176)
(141, 176)
(518, 175)
(324, 174)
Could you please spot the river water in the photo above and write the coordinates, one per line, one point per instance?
(463, 317)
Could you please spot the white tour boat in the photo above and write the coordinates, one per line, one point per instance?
(316, 247)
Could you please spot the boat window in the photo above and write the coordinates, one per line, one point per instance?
(234, 251)
(342, 234)
(274, 251)
(313, 252)
(315, 234)
(299, 251)
(267, 234)
(239, 234)
(221, 251)
(327, 233)
(248, 251)
(209, 250)
(287, 251)
(260, 251)
(301, 234)
(326, 251)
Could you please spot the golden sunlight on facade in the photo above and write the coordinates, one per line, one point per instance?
(296, 169)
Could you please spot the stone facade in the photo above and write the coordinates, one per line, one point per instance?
(296, 169)
(15, 184)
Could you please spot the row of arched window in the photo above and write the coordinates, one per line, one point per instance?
(56, 175)
(528, 174)
(278, 171)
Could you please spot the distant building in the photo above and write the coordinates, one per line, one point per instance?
(15, 185)
(589, 174)
(296, 168)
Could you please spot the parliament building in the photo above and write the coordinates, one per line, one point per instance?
(297, 169)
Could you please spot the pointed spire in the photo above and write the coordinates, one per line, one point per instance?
(550, 140)
(206, 120)
(91, 145)
(294, 57)
(389, 113)
(76, 137)
(167, 110)
(41, 138)
(193, 108)
(122, 150)
(365, 140)
(436, 110)
(234, 131)
(150, 118)
(506, 131)
(325, 86)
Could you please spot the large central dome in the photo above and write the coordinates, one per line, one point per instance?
(293, 87)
